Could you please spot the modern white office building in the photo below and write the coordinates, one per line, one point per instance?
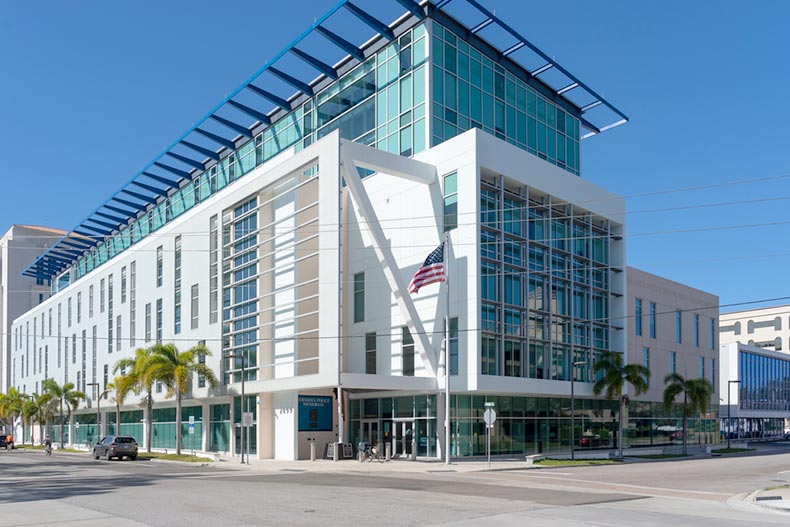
(286, 245)
(19, 247)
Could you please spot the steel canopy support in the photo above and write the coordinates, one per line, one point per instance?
(127, 213)
(160, 179)
(150, 188)
(173, 170)
(96, 229)
(321, 66)
(128, 203)
(377, 25)
(111, 217)
(111, 226)
(227, 143)
(413, 7)
(200, 150)
(141, 197)
(293, 81)
(255, 114)
(279, 101)
(187, 161)
(236, 127)
(342, 43)
(482, 25)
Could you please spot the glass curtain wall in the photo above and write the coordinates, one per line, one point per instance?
(544, 283)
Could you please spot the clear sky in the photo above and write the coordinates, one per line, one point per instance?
(91, 91)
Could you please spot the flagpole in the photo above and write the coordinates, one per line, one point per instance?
(447, 351)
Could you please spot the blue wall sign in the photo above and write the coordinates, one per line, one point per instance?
(315, 413)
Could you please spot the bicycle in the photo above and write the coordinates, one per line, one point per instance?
(48, 450)
(368, 452)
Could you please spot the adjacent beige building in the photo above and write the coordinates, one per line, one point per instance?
(767, 327)
(672, 327)
(19, 247)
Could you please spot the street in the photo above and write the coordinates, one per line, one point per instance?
(69, 489)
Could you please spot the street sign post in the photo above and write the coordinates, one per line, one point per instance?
(489, 416)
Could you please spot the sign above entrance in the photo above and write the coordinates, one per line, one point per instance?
(315, 413)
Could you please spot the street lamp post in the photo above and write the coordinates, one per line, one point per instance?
(573, 410)
(241, 421)
(729, 412)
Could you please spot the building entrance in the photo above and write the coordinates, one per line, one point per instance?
(402, 437)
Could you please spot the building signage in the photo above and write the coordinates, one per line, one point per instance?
(315, 413)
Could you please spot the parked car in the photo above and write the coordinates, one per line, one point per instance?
(591, 441)
(7, 441)
(116, 446)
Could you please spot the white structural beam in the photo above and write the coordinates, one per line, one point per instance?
(354, 156)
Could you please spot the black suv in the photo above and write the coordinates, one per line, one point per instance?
(116, 446)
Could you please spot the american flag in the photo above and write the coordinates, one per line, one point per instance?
(431, 271)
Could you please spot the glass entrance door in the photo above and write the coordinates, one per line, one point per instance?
(369, 431)
(402, 435)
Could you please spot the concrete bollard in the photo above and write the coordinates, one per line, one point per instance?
(413, 450)
(312, 450)
(335, 453)
(388, 451)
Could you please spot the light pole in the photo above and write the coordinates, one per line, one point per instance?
(98, 409)
(573, 410)
(241, 421)
(729, 412)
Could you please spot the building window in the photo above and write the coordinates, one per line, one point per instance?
(646, 357)
(49, 321)
(652, 320)
(79, 307)
(132, 302)
(159, 269)
(148, 322)
(213, 287)
(202, 360)
(713, 372)
(696, 330)
(177, 287)
(158, 320)
(68, 313)
(359, 297)
(450, 201)
(110, 319)
(638, 317)
(713, 334)
(118, 334)
(679, 326)
(370, 353)
(40, 297)
(673, 362)
(106, 377)
(90, 301)
(123, 285)
(101, 296)
(702, 367)
(454, 346)
(407, 351)
(74, 348)
(194, 307)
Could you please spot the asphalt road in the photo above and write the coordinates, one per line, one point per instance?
(68, 490)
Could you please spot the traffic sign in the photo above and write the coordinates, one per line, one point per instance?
(489, 404)
(489, 416)
(246, 419)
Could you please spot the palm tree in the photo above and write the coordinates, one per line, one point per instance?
(175, 368)
(138, 378)
(696, 398)
(63, 394)
(122, 385)
(615, 373)
(11, 406)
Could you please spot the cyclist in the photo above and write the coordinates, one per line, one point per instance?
(48, 446)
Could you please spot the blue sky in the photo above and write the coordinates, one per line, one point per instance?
(92, 90)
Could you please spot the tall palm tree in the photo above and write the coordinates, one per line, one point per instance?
(138, 377)
(175, 368)
(696, 398)
(122, 386)
(615, 373)
(11, 406)
(30, 411)
(63, 394)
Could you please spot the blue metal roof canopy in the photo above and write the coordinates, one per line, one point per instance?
(149, 186)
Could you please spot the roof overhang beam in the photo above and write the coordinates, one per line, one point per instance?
(342, 43)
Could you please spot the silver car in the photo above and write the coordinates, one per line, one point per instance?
(116, 446)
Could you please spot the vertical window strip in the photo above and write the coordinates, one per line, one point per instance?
(177, 287)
